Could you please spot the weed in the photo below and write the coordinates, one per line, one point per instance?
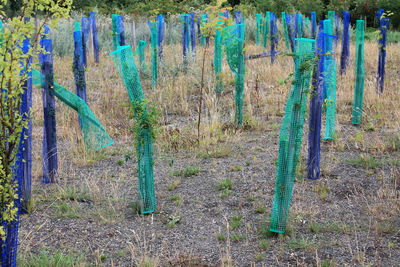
(327, 263)
(135, 207)
(122, 253)
(225, 193)
(301, 244)
(174, 184)
(221, 237)
(261, 209)
(235, 222)
(386, 228)
(120, 162)
(64, 210)
(220, 152)
(187, 172)
(364, 161)
(235, 168)
(75, 194)
(237, 237)
(393, 144)
(322, 191)
(264, 244)
(251, 198)
(225, 184)
(177, 199)
(173, 221)
(260, 257)
(47, 259)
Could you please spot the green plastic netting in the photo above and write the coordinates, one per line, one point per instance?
(299, 22)
(285, 30)
(360, 74)
(266, 28)
(140, 52)
(329, 84)
(95, 136)
(233, 39)
(330, 101)
(218, 62)
(154, 53)
(125, 63)
(115, 36)
(307, 26)
(259, 20)
(331, 18)
(291, 134)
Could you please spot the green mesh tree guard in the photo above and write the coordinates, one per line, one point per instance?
(154, 53)
(95, 136)
(285, 30)
(258, 27)
(291, 135)
(115, 35)
(204, 20)
(331, 18)
(218, 62)
(233, 38)
(307, 26)
(329, 83)
(140, 52)
(360, 74)
(144, 135)
(267, 27)
(300, 28)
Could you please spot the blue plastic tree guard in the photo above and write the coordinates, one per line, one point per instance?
(185, 38)
(121, 30)
(161, 34)
(313, 24)
(50, 157)
(316, 101)
(345, 56)
(96, 47)
(274, 37)
(238, 17)
(25, 149)
(85, 38)
(292, 29)
(383, 27)
(78, 63)
(9, 246)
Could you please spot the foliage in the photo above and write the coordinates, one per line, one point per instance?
(14, 68)
(45, 259)
(146, 118)
(215, 21)
(358, 8)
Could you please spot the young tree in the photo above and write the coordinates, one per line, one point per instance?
(14, 68)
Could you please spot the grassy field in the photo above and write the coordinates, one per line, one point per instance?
(214, 198)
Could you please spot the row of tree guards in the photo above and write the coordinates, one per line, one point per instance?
(314, 56)
(314, 64)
